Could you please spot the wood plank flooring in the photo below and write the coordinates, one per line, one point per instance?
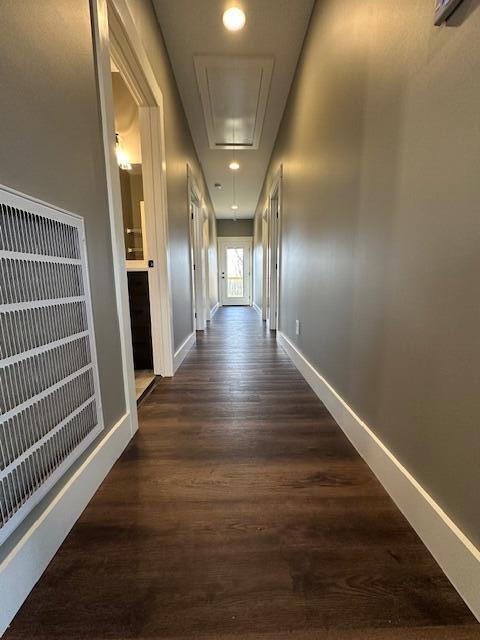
(241, 512)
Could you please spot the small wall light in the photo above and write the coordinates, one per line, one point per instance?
(122, 156)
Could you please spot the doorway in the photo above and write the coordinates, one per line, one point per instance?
(139, 240)
(199, 242)
(128, 149)
(235, 273)
(273, 256)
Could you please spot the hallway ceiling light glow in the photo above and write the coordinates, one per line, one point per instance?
(234, 19)
(234, 207)
(234, 166)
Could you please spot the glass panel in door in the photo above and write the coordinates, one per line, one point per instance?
(235, 272)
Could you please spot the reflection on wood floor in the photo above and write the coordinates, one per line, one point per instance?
(240, 511)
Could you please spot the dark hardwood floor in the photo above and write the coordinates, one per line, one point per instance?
(241, 511)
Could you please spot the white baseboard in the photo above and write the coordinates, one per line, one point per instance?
(257, 308)
(454, 552)
(214, 310)
(29, 558)
(182, 351)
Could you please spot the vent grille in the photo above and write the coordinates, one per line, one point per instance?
(49, 394)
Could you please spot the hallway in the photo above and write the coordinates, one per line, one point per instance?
(240, 510)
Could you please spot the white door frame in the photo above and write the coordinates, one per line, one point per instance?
(222, 242)
(265, 272)
(206, 263)
(115, 34)
(196, 216)
(274, 251)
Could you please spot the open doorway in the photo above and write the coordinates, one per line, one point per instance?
(272, 274)
(199, 242)
(129, 158)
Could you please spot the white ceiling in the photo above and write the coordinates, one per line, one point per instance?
(275, 29)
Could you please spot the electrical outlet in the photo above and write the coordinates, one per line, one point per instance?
(297, 327)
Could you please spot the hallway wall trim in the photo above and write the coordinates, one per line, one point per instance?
(24, 565)
(454, 552)
(257, 308)
(214, 310)
(183, 349)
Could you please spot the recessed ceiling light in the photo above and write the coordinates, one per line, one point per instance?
(234, 19)
(234, 207)
(234, 166)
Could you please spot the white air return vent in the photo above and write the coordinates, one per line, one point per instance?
(234, 93)
(49, 393)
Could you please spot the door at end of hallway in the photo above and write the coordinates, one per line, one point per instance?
(235, 267)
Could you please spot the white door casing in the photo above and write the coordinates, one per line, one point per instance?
(274, 256)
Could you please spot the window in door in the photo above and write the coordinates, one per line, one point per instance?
(235, 267)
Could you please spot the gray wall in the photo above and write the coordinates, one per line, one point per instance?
(52, 146)
(380, 146)
(233, 229)
(179, 151)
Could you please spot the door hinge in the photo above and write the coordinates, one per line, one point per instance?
(194, 267)
(195, 314)
(151, 264)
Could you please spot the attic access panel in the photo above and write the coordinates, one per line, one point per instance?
(234, 94)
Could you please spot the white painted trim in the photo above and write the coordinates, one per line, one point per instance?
(197, 209)
(274, 251)
(257, 308)
(114, 28)
(183, 349)
(102, 58)
(265, 270)
(214, 310)
(25, 563)
(454, 552)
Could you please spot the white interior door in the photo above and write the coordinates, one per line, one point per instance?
(235, 271)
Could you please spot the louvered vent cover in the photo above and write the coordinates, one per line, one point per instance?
(49, 394)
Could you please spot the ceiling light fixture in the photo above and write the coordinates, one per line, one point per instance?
(234, 207)
(234, 19)
(234, 166)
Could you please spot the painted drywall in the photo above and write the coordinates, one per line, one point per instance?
(257, 260)
(52, 150)
(52, 147)
(235, 228)
(380, 146)
(179, 152)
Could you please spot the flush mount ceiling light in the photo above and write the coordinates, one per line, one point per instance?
(234, 207)
(218, 185)
(234, 19)
(234, 166)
